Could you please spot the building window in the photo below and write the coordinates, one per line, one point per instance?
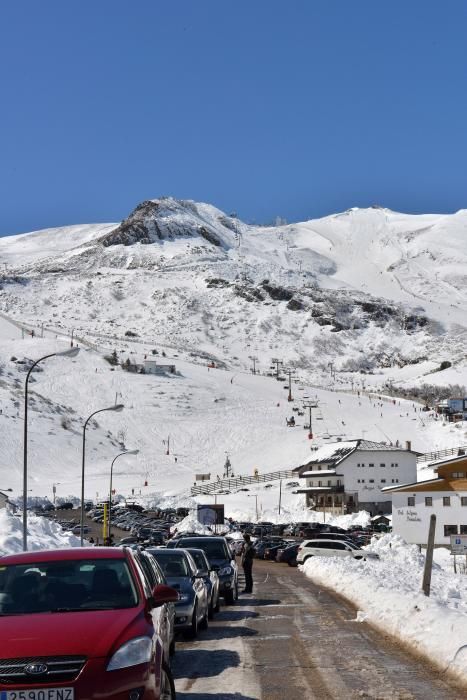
(371, 464)
(411, 501)
(428, 500)
(450, 530)
(393, 481)
(363, 481)
(447, 502)
(382, 465)
(329, 482)
(372, 481)
(320, 483)
(458, 475)
(338, 482)
(383, 481)
(463, 500)
(397, 481)
(463, 529)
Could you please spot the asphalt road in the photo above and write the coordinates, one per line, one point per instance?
(293, 639)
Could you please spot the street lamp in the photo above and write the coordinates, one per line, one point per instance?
(254, 495)
(71, 352)
(127, 452)
(117, 407)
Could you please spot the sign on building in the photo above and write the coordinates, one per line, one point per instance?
(458, 544)
(202, 477)
(212, 514)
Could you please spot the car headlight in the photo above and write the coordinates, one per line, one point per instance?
(136, 651)
(225, 571)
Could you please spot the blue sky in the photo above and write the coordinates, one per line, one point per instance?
(295, 108)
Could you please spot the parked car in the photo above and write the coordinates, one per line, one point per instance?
(211, 579)
(221, 559)
(288, 555)
(331, 548)
(181, 572)
(109, 633)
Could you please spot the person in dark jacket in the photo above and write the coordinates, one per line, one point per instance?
(247, 563)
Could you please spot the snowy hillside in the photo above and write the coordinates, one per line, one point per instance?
(380, 295)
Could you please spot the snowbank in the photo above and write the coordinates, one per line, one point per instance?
(190, 524)
(388, 595)
(42, 534)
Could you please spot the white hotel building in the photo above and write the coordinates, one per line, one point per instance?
(344, 477)
(444, 496)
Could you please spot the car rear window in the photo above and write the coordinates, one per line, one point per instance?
(214, 549)
(66, 586)
(173, 564)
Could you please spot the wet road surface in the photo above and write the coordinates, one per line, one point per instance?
(293, 639)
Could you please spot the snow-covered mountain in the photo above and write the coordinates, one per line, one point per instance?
(380, 295)
(366, 289)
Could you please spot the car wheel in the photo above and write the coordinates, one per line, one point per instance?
(229, 598)
(218, 604)
(211, 610)
(358, 557)
(204, 624)
(172, 647)
(308, 557)
(192, 632)
(167, 683)
(236, 590)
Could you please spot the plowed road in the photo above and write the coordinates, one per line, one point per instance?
(292, 639)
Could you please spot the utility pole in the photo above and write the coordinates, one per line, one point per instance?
(254, 359)
(309, 406)
(168, 446)
(280, 495)
(290, 372)
(227, 467)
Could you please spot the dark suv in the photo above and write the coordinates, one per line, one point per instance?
(220, 558)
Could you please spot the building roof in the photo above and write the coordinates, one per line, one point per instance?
(334, 453)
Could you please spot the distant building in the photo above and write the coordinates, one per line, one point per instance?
(454, 409)
(3, 500)
(344, 477)
(153, 367)
(444, 496)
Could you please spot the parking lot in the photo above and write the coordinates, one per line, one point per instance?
(293, 639)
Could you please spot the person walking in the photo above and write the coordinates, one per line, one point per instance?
(248, 554)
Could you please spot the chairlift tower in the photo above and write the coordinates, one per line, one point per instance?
(310, 405)
(227, 467)
(278, 364)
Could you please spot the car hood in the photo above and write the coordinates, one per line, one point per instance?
(221, 563)
(89, 633)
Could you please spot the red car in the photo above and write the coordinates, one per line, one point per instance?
(84, 624)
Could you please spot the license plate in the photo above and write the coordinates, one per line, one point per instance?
(39, 694)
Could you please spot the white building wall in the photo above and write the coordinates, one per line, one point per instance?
(368, 481)
(412, 522)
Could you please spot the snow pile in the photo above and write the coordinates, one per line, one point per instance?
(388, 595)
(190, 524)
(42, 534)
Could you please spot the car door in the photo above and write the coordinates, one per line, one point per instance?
(199, 587)
(339, 549)
(159, 615)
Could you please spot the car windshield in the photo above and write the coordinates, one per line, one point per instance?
(172, 563)
(66, 586)
(214, 549)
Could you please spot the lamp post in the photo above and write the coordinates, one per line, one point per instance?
(126, 452)
(54, 490)
(72, 352)
(117, 407)
(254, 495)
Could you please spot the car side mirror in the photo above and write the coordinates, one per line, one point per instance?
(162, 594)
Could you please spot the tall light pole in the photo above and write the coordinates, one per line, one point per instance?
(309, 406)
(280, 495)
(54, 490)
(117, 407)
(254, 495)
(126, 452)
(72, 352)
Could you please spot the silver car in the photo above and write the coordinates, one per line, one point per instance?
(181, 572)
